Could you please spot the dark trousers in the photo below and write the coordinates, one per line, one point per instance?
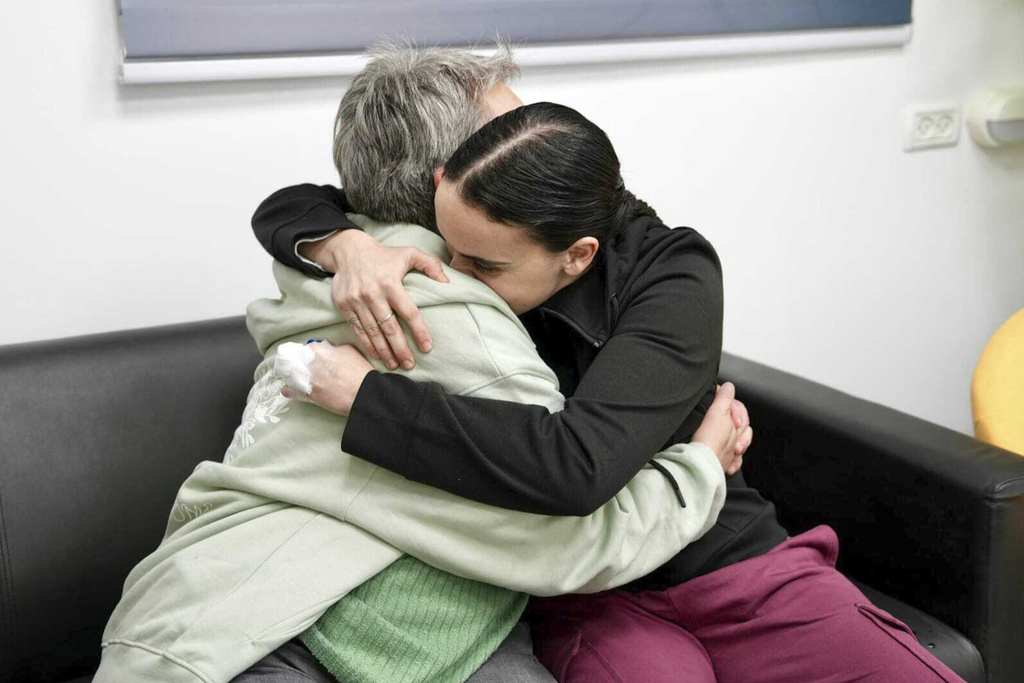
(512, 662)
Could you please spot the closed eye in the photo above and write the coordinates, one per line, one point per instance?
(481, 268)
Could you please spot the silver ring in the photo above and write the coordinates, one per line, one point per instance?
(353, 320)
(390, 316)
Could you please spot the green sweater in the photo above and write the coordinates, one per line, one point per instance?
(414, 624)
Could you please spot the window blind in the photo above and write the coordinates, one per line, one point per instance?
(219, 29)
(216, 28)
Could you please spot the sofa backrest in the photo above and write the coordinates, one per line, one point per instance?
(96, 435)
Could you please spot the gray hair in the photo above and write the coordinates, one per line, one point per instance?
(403, 116)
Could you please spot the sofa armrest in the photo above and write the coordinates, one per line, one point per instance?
(925, 514)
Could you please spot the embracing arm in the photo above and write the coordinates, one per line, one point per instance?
(299, 226)
(660, 361)
(296, 214)
(638, 530)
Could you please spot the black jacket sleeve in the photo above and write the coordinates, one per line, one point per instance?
(659, 362)
(296, 213)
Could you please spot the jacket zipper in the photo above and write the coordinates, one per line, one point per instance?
(596, 343)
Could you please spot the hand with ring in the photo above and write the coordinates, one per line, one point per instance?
(367, 288)
(387, 328)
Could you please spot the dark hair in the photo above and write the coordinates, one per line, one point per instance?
(547, 169)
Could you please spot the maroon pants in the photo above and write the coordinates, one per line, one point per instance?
(785, 617)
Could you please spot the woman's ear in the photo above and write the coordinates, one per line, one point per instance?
(438, 174)
(580, 255)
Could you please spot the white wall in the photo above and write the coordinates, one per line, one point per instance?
(847, 260)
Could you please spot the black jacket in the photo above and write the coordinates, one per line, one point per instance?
(635, 344)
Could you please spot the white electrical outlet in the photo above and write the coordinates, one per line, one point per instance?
(930, 125)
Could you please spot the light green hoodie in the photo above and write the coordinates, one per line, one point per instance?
(259, 546)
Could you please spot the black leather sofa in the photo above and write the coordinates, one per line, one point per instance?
(98, 432)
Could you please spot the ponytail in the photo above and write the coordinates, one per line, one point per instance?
(639, 207)
(629, 209)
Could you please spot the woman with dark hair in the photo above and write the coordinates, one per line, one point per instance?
(629, 314)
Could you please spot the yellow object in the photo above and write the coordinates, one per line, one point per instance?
(997, 392)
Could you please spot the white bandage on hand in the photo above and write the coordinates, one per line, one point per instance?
(292, 365)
